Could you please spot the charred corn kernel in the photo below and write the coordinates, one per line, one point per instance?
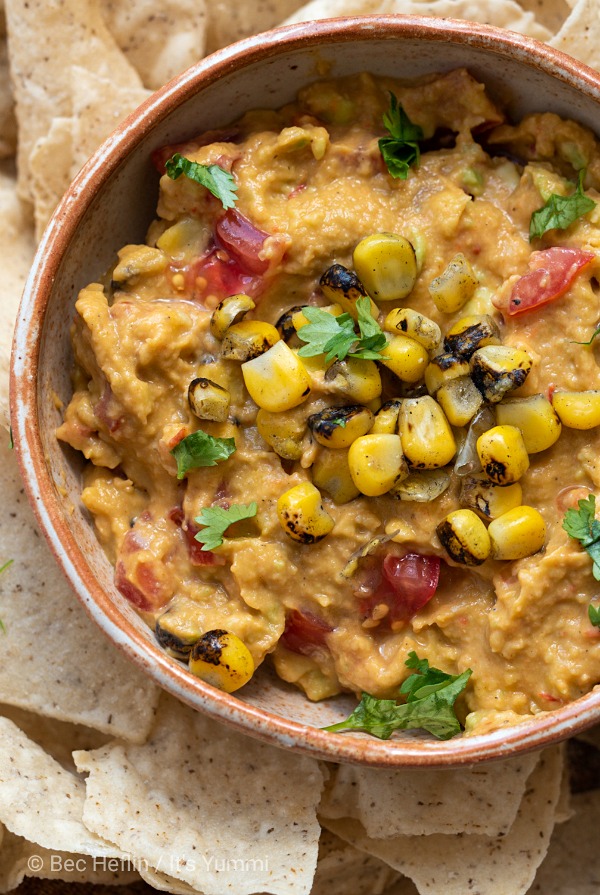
(229, 312)
(386, 265)
(536, 419)
(299, 320)
(422, 486)
(302, 515)
(248, 339)
(518, 533)
(427, 439)
(405, 357)
(454, 287)
(285, 325)
(338, 427)
(499, 369)
(443, 369)
(137, 261)
(460, 400)
(503, 454)
(470, 333)
(178, 629)
(464, 537)
(331, 474)
(184, 240)
(376, 462)
(578, 410)
(277, 379)
(222, 660)
(405, 321)
(208, 400)
(283, 432)
(342, 286)
(356, 379)
(386, 418)
(374, 405)
(489, 500)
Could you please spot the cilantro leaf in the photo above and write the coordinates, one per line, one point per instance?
(590, 340)
(594, 615)
(8, 563)
(582, 526)
(217, 520)
(401, 149)
(216, 180)
(200, 449)
(336, 337)
(11, 441)
(431, 695)
(560, 212)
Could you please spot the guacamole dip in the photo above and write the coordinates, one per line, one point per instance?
(342, 407)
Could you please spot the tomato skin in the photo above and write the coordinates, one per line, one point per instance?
(551, 273)
(304, 633)
(242, 239)
(223, 277)
(406, 584)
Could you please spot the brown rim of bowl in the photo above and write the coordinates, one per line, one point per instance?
(499, 744)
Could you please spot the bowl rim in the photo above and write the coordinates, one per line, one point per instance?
(542, 730)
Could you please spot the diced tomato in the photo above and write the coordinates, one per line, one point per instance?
(304, 633)
(551, 273)
(405, 584)
(198, 556)
(242, 239)
(216, 273)
(131, 593)
(108, 410)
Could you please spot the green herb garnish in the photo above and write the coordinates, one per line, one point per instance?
(430, 697)
(218, 181)
(11, 441)
(336, 336)
(560, 212)
(583, 526)
(401, 149)
(594, 615)
(200, 449)
(217, 520)
(590, 340)
(8, 563)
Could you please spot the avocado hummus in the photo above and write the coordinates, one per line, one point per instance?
(342, 418)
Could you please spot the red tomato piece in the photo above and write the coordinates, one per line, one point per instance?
(551, 273)
(304, 633)
(130, 591)
(222, 277)
(406, 584)
(242, 239)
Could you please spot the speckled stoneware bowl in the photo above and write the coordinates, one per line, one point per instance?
(111, 203)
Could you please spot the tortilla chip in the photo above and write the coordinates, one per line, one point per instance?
(54, 659)
(341, 868)
(160, 38)
(457, 865)
(489, 797)
(47, 38)
(507, 14)
(8, 122)
(550, 13)
(230, 20)
(208, 806)
(580, 34)
(571, 865)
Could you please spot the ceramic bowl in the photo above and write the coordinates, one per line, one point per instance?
(111, 203)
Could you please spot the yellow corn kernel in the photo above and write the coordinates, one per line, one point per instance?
(470, 333)
(405, 357)
(231, 310)
(283, 432)
(454, 287)
(405, 321)
(518, 533)
(356, 379)
(460, 400)
(178, 629)
(427, 439)
(464, 537)
(342, 286)
(502, 454)
(443, 369)
(386, 418)
(338, 427)
(375, 404)
(422, 486)
(184, 240)
(208, 400)
(299, 320)
(331, 473)
(137, 261)
(499, 369)
(489, 500)
(222, 660)
(248, 339)
(578, 410)
(536, 419)
(276, 380)
(376, 462)
(302, 515)
(386, 265)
